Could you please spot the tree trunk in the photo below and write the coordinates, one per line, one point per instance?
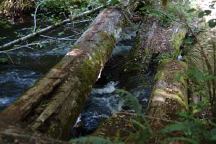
(153, 41)
(15, 135)
(169, 95)
(54, 103)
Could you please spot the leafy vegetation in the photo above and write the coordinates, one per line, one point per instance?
(130, 100)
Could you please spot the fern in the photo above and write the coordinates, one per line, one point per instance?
(183, 139)
(130, 100)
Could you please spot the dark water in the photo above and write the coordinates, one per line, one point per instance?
(13, 82)
(103, 100)
(102, 103)
(31, 62)
(19, 69)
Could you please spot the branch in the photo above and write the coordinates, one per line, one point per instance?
(35, 16)
(25, 46)
(49, 28)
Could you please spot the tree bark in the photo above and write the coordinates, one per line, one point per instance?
(54, 103)
(118, 126)
(15, 135)
(152, 40)
(169, 95)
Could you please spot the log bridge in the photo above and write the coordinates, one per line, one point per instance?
(53, 104)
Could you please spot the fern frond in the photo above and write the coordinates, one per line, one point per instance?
(130, 100)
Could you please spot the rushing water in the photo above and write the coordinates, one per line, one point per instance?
(19, 69)
(13, 81)
(32, 61)
(102, 103)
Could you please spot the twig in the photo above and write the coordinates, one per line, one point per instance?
(9, 58)
(35, 16)
(56, 38)
(49, 28)
(27, 46)
(82, 21)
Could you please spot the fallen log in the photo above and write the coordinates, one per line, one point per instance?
(31, 35)
(119, 126)
(153, 41)
(14, 135)
(169, 95)
(54, 103)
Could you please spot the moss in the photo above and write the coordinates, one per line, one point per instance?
(172, 70)
(170, 92)
(90, 65)
(176, 96)
(119, 126)
(177, 39)
(85, 69)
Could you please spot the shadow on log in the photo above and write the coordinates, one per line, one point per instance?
(54, 103)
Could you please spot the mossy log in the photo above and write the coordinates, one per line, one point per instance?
(153, 40)
(54, 103)
(118, 126)
(15, 135)
(169, 94)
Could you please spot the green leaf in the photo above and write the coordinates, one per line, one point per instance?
(130, 100)
(204, 13)
(212, 23)
(212, 136)
(3, 60)
(191, 10)
(61, 33)
(196, 74)
(181, 126)
(184, 139)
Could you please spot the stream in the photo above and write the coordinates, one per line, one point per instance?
(23, 67)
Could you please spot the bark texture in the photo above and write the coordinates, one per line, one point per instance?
(169, 95)
(119, 126)
(54, 103)
(15, 135)
(153, 41)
